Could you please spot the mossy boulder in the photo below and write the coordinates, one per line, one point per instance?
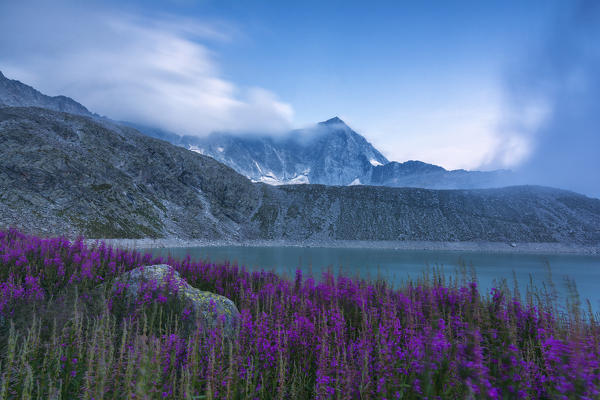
(207, 309)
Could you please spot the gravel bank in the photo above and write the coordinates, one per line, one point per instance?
(487, 247)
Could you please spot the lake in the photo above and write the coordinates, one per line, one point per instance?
(396, 266)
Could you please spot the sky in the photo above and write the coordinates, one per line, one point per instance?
(461, 84)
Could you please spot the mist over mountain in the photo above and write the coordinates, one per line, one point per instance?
(128, 64)
(330, 153)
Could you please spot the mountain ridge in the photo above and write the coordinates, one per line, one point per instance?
(14, 93)
(329, 153)
(68, 174)
(289, 160)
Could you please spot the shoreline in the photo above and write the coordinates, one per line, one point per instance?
(479, 247)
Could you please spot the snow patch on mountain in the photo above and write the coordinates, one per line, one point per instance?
(196, 149)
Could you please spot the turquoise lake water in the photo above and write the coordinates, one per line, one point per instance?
(396, 266)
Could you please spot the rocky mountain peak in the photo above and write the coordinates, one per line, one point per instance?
(333, 121)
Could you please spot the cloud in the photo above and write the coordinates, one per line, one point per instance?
(456, 135)
(155, 70)
(553, 97)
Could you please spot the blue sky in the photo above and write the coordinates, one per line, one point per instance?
(422, 80)
(427, 80)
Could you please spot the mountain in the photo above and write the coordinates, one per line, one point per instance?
(69, 174)
(331, 153)
(423, 175)
(16, 94)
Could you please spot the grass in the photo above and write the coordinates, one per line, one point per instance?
(65, 334)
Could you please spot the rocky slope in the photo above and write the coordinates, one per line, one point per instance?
(61, 173)
(513, 214)
(67, 174)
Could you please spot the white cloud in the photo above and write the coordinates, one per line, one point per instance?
(151, 70)
(459, 135)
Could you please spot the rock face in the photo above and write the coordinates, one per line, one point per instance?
(329, 153)
(209, 309)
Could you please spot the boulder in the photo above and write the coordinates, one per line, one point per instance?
(207, 308)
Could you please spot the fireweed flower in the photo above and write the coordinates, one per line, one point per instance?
(308, 337)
